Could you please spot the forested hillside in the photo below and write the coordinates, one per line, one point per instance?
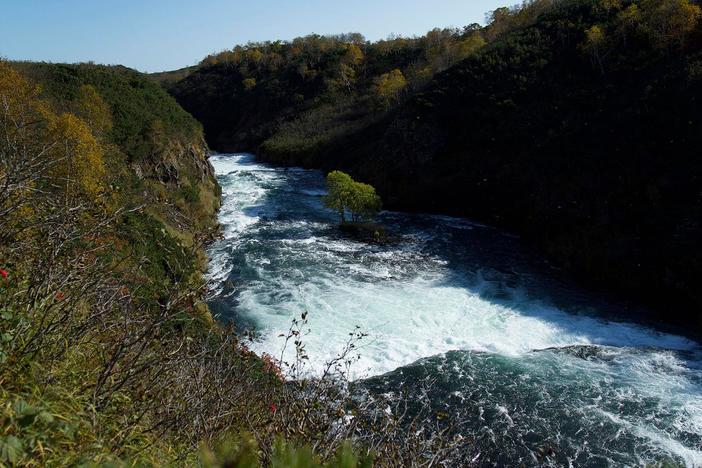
(106, 196)
(575, 123)
(298, 96)
(154, 147)
(108, 352)
(580, 132)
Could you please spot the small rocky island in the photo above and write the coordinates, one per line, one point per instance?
(357, 204)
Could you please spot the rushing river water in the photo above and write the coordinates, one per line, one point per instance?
(545, 378)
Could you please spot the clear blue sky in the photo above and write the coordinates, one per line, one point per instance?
(156, 35)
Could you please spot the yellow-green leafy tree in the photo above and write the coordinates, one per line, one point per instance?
(347, 195)
(354, 55)
(249, 83)
(340, 191)
(365, 202)
(93, 109)
(469, 45)
(389, 86)
(595, 40)
(78, 155)
(64, 145)
(23, 149)
(349, 63)
(629, 20)
(671, 20)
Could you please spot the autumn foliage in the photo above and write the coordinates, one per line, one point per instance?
(108, 352)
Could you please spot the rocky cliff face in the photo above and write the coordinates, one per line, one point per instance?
(156, 155)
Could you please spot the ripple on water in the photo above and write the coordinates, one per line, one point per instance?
(510, 345)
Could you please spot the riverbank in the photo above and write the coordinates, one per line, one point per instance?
(595, 164)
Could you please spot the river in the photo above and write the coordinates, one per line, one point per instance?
(545, 377)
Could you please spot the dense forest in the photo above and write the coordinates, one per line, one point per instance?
(109, 354)
(575, 123)
(301, 95)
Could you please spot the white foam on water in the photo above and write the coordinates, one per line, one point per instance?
(413, 306)
(244, 188)
(691, 456)
(406, 321)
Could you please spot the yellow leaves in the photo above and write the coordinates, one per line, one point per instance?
(630, 16)
(254, 55)
(595, 42)
(346, 77)
(354, 55)
(674, 19)
(65, 143)
(19, 104)
(470, 45)
(670, 21)
(594, 36)
(94, 110)
(389, 85)
(666, 23)
(13, 87)
(79, 167)
(249, 83)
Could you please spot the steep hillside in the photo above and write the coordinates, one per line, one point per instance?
(299, 95)
(580, 132)
(576, 126)
(108, 352)
(159, 151)
(106, 195)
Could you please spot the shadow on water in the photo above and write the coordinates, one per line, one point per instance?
(591, 405)
(484, 261)
(503, 270)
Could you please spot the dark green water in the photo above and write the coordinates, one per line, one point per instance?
(526, 356)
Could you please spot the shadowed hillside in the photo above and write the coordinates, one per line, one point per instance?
(577, 125)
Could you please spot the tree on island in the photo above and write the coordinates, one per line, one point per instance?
(347, 195)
